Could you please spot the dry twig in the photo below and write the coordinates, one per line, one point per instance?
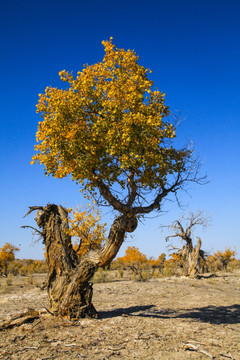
(192, 347)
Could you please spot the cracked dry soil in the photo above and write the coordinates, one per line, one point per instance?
(167, 318)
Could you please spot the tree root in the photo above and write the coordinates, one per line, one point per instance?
(26, 317)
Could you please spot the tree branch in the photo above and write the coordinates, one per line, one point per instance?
(33, 208)
(132, 188)
(170, 236)
(31, 227)
(106, 193)
(156, 203)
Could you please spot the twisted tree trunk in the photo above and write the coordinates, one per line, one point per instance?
(68, 286)
(192, 257)
(195, 260)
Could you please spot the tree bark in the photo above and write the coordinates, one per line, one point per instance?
(192, 258)
(195, 260)
(68, 286)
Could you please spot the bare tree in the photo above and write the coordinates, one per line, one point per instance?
(193, 257)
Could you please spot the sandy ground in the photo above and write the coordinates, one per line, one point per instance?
(168, 318)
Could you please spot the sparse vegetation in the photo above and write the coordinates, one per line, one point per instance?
(133, 265)
(27, 267)
(222, 260)
(7, 256)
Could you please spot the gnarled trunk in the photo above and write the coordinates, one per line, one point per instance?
(68, 286)
(192, 258)
(195, 260)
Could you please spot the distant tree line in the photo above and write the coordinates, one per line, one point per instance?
(10, 265)
(144, 268)
(133, 264)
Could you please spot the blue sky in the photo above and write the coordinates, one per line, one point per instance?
(193, 48)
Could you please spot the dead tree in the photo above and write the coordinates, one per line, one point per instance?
(193, 257)
(68, 286)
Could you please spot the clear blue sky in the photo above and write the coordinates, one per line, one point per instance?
(193, 48)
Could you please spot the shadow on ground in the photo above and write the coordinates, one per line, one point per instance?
(125, 311)
(210, 314)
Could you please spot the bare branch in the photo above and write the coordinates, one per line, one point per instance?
(171, 236)
(172, 248)
(34, 208)
(180, 226)
(156, 203)
(107, 194)
(31, 227)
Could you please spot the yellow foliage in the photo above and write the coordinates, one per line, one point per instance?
(7, 254)
(225, 256)
(85, 227)
(132, 257)
(107, 121)
(176, 257)
(222, 258)
(159, 262)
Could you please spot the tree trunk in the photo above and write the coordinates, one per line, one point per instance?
(195, 260)
(192, 258)
(68, 286)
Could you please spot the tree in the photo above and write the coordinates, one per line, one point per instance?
(159, 263)
(190, 257)
(225, 256)
(112, 132)
(220, 259)
(133, 259)
(7, 255)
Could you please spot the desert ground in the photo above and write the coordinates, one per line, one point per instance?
(166, 318)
